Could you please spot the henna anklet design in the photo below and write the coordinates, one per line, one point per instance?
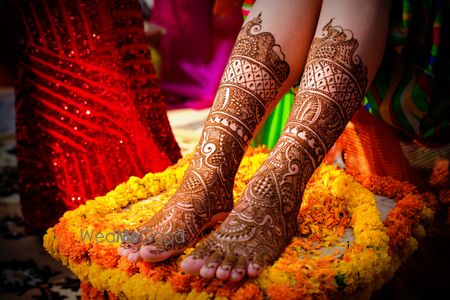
(264, 220)
(251, 80)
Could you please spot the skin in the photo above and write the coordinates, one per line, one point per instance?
(240, 106)
(342, 60)
(264, 220)
(251, 81)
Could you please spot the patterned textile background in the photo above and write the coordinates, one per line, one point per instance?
(26, 270)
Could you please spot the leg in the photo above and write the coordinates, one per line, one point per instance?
(257, 74)
(333, 84)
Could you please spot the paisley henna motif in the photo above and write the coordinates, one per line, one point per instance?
(251, 80)
(265, 219)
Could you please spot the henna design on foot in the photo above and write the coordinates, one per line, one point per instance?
(264, 220)
(251, 80)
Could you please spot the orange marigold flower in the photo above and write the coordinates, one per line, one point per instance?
(88, 292)
(248, 291)
(430, 200)
(128, 267)
(67, 243)
(104, 255)
(180, 282)
(283, 292)
(152, 271)
(333, 202)
(221, 288)
(112, 296)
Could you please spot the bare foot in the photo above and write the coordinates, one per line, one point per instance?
(265, 219)
(203, 199)
(261, 224)
(251, 80)
(254, 73)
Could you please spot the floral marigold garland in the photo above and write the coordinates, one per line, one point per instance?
(86, 239)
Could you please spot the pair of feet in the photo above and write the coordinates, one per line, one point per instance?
(252, 235)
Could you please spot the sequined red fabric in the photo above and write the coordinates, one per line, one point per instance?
(89, 110)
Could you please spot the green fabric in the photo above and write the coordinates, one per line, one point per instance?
(270, 131)
(417, 60)
(418, 45)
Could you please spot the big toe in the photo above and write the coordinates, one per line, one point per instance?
(155, 253)
(192, 264)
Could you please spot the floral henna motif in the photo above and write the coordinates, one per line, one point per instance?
(265, 218)
(332, 87)
(251, 80)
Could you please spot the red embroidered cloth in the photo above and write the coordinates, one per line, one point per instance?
(89, 109)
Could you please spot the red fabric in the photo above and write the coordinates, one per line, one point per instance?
(89, 110)
(372, 147)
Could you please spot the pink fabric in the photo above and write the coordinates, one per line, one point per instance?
(194, 49)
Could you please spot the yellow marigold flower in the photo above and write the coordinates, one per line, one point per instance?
(419, 231)
(272, 276)
(333, 201)
(427, 215)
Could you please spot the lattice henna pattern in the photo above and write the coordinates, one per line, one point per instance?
(265, 218)
(251, 80)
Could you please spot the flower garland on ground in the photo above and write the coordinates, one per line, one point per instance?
(405, 222)
(86, 240)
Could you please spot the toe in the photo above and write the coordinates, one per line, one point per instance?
(154, 253)
(193, 264)
(123, 251)
(254, 269)
(134, 257)
(224, 270)
(127, 249)
(238, 272)
(208, 270)
(257, 264)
